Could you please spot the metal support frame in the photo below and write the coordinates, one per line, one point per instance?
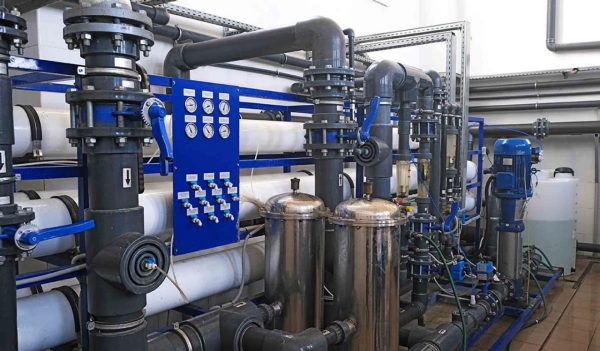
(478, 183)
(208, 18)
(428, 35)
(521, 315)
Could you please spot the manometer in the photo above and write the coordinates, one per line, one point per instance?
(208, 130)
(191, 105)
(191, 130)
(224, 107)
(208, 106)
(224, 131)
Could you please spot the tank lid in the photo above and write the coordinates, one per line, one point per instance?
(294, 205)
(368, 212)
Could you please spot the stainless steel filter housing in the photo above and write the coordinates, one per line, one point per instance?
(294, 248)
(366, 271)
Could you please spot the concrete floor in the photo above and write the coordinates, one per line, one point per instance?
(573, 322)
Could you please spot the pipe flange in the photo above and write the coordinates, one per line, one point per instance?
(22, 215)
(109, 132)
(109, 96)
(13, 29)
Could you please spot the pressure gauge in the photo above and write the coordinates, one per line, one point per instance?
(208, 106)
(224, 131)
(191, 105)
(224, 107)
(208, 130)
(191, 130)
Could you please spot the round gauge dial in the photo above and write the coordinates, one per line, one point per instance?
(224, 131)
(191, 105)
(208, 130)
(208, 106)
(224, 107)
(191, 130)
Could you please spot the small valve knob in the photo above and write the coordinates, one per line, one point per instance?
(229, 216)
(213, 218)
(204, 202)
(197, 221)
(186, 204)
(221, 200)
(235, 198)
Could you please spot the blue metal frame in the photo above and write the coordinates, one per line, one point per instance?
(478, 183)
(42, 74)
(522, 315)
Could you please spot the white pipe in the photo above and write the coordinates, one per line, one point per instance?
(255, 135)
(50, 213)
(46, 320)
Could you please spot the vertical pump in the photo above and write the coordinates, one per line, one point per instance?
(110, 114)
(512, 168)
(11, 216)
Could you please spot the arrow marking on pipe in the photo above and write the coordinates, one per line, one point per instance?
(2, 163)
(126, 177)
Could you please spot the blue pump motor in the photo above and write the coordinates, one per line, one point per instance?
(512, 166)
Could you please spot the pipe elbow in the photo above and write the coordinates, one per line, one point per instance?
(436, 79)
(174, 65)
(326, 40)
(383, 78)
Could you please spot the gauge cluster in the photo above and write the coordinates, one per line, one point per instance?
(206, 165)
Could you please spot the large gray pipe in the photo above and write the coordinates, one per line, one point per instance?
(551, 34)
(535, 85)
(320, 35)
(558, 128)
(183, 35)
(537, 106)
(382, 79)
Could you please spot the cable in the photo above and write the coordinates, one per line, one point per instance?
(455, 293)
(54, 162)
(241, 288)
(185, 298)
(156, 267)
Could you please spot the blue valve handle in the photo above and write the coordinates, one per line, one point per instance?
(34, 238)
(157, 113)
(453, 213)
(364, 131)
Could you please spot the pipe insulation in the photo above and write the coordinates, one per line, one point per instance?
(46, 320)
(264, 137)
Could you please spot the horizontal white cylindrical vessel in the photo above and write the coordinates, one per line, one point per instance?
(260, 136)
(157, 201)
(46, 320)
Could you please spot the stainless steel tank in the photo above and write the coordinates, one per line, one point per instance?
(294, 249)
(366, 271)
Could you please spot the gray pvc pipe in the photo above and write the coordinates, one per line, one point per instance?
(551, 43)
(536, 106)
(558, 128)
(382, 79)
(321, 35)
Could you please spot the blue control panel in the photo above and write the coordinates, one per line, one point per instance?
(205, 165)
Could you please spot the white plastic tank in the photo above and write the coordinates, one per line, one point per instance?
(551, 215)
